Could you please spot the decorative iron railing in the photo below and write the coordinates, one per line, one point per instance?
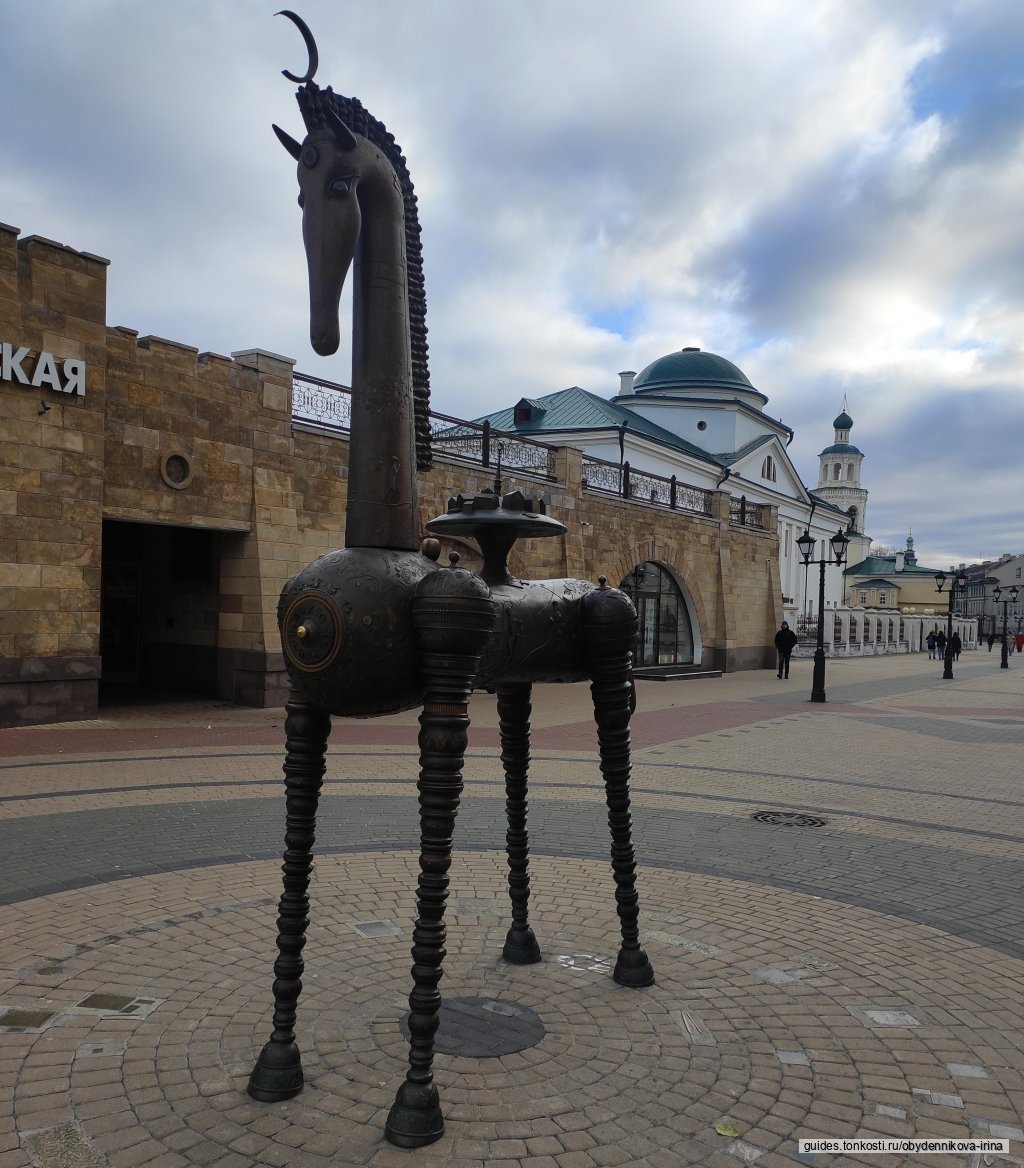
(485, 446)
(329, 405)
(614, 479)
(321, 403)
(743, 513)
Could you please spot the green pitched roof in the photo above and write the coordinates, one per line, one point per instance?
(578, 409)
(886, 565)
(730, 457)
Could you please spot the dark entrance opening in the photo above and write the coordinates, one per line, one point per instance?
(665, 637)
(159, 612)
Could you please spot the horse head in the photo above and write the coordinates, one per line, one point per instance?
(331, 161)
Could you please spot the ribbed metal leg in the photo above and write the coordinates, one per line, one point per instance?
(609, 631)
(453, 615)
(514, 708)
(278, 1071)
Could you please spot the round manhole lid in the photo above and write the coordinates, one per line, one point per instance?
(789, 819)
(484, 1028)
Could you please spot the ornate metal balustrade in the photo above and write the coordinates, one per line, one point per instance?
(743, 513)
(645, 487)
(326, 404)
(485, 446)
(321, 403)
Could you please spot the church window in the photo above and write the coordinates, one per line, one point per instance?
(881, 598)
(863, 598)
(835, 472)
(849, 472)
(768, 469)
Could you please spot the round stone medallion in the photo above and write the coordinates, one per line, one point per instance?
(484, 1027)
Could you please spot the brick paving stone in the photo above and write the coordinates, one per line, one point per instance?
(907, 899)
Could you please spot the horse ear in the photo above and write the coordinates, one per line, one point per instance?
(342, 134)
(288, 142)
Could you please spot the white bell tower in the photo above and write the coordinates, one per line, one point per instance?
(839, 473)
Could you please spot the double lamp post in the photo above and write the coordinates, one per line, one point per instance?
(996, 593)
(957, 583)
(806, 544)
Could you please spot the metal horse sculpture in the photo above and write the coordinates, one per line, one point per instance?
(379, 627)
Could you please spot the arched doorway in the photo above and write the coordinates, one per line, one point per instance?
(666, 635)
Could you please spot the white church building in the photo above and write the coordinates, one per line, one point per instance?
(695, 415)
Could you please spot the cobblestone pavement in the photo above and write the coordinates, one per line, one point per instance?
(861, 976)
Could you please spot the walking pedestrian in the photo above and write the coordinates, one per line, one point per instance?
(955, 645)
(930, 642)
(940, 645)
(785, 642)
(991, 641)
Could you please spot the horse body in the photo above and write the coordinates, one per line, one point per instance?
(378, 626)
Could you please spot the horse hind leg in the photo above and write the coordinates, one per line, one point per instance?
(609, 628)
(277, 1074)
(521, 946)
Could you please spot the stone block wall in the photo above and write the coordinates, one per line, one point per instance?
(164, 435)
(52, 299)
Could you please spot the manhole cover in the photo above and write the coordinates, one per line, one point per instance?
(484, 1028)
(789, 819)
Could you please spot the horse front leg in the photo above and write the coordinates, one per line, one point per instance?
(609, 626)
(521, 946)
(452, 615)
(277, 1074)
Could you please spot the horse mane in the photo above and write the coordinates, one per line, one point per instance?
(353, 113)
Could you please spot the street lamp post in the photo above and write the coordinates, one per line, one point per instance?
(806, 544)
(996, 593)
(957, 581)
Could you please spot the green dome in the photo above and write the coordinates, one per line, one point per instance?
(843, 422)
(690, 366)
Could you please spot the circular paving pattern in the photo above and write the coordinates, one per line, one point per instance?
(756, 1024)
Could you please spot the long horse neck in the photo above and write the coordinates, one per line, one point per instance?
(383, 508)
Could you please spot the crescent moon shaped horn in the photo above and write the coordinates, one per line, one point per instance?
(307, 36)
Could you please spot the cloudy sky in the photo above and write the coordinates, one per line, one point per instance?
(830, 193)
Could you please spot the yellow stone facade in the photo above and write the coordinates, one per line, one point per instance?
(178, 488)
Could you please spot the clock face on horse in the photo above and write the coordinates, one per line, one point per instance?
(380, 626)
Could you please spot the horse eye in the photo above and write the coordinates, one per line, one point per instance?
(340, 188)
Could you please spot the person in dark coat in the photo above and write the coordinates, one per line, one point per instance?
(785, 641)
(940, 645)
(955, 645)
(991, 641)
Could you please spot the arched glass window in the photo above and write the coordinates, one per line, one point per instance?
(768, 468)
(665, 636)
